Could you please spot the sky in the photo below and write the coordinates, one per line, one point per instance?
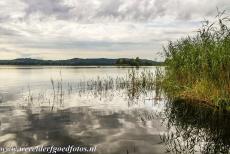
(63, 29)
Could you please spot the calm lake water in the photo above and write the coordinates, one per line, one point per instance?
(89, 106)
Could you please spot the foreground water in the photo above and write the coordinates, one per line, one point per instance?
(89, 106)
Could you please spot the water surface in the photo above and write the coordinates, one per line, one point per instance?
(50, 105)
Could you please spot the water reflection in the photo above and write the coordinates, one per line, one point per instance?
(119, 113)
(133, 131)
(196, 128)
(104, 111)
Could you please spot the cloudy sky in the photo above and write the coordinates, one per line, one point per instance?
(61, 29)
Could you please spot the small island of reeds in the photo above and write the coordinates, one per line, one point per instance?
(198, 67)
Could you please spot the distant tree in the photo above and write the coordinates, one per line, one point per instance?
(137, 61)
(119, 61)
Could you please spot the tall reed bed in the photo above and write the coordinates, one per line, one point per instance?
(198, 67)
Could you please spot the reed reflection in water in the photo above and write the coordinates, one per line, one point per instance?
(126, 113)
(196, 128)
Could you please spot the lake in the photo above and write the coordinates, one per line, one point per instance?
(91, 106)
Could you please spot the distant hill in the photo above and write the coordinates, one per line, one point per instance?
(82, 62)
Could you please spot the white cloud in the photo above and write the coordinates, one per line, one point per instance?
(107, 28)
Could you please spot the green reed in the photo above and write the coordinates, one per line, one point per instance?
(132, 86)
(198, 67)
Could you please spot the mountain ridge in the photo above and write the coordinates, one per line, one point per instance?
(82, 61)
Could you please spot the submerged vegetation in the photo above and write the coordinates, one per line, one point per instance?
(198, 67)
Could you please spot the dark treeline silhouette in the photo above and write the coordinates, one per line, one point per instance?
(81, 62)
(137, 62)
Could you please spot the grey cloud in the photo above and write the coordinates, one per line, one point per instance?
(4, 18)
(100, 25)
(5, 49)
(109, 8)
(7, 32)
(121, 10)
(135, 10)
(87, 45)
(54, 8)
(118, 10)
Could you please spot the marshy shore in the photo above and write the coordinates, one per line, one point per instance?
(198, 67)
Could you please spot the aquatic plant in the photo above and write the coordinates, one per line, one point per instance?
(134, 86)
(198, 67)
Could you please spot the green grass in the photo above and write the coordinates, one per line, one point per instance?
(198, 67)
